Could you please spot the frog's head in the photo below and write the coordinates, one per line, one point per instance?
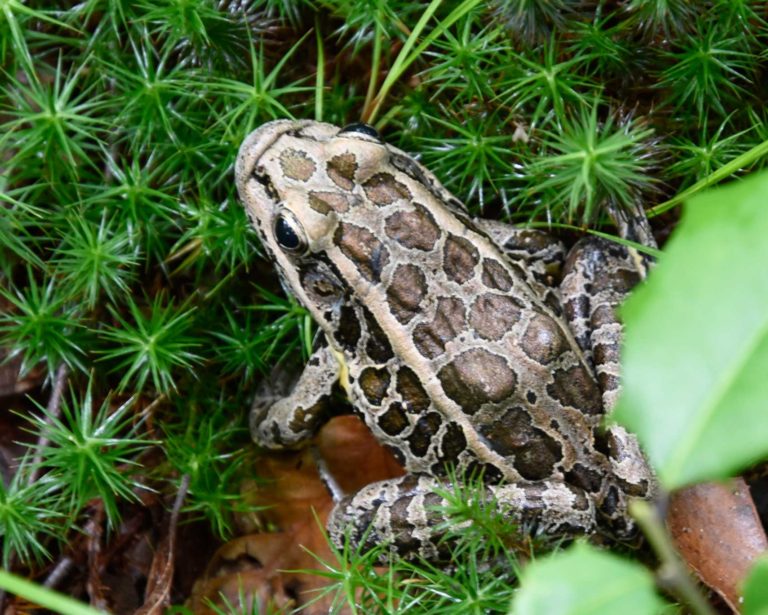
(299, 181)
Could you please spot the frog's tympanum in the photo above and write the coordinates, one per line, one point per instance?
(462, 343)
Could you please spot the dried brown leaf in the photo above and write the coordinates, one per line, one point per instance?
(264, 567)
(716, 528)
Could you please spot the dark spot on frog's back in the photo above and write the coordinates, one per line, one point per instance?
(534, 453)
(489, 472)
(377, 347)
(495, 275)
(394, 420)
(423, 433)
(405, 293)
(326, 202)
(580, 501)
(453, 444)
(459, 259)
(431, 338)
(383, 189)
(348, 331)
(578, 306)
(475, 377)
(411, 391)
(297, 165)
(374, 383)
(492, 315)
(576, 388)
(362, 247)
(543, 340)
(585, 477)
(341, 169)
(414, 229)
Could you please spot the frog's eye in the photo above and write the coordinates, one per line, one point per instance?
(288, 234)
(363, 129)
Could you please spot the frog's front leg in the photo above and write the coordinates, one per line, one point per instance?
(408, 513)
(288, 421)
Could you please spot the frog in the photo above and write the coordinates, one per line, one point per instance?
(468, 346)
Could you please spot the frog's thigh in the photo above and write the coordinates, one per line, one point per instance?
(285, 422)
(598, 276)
(406, 513)
(540, 253)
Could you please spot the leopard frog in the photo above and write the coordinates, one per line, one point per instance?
(462, 343)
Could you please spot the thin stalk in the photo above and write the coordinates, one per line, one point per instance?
(408, 54)
(46, 598)
(320, 73)
(746, 159)
(672, 572)
(54, 409)
(156, 594)
(375, 63)
(59, 572)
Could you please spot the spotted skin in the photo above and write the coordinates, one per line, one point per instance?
(461, 343)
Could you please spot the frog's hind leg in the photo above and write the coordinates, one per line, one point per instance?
(406, 513)
(598, 276)
(278, 421)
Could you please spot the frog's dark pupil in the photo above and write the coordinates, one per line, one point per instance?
(285, 235)
(365, 129)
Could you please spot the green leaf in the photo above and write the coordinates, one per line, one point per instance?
(583, 580)
(696, 350)
(756, 589)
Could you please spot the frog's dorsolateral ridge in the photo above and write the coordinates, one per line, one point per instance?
(460, 342)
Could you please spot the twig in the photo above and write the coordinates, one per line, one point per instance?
(58, 573)
(672, 573)
(53, 411)
(160, 576)
(54, 407)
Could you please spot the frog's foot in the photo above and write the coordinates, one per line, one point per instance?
(632, 223)
(279, 422)
(407, 513)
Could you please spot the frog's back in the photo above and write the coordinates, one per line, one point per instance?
(451, 357)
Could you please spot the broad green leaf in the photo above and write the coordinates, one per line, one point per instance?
(696, 347)
(585, 581)
(756, 589)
